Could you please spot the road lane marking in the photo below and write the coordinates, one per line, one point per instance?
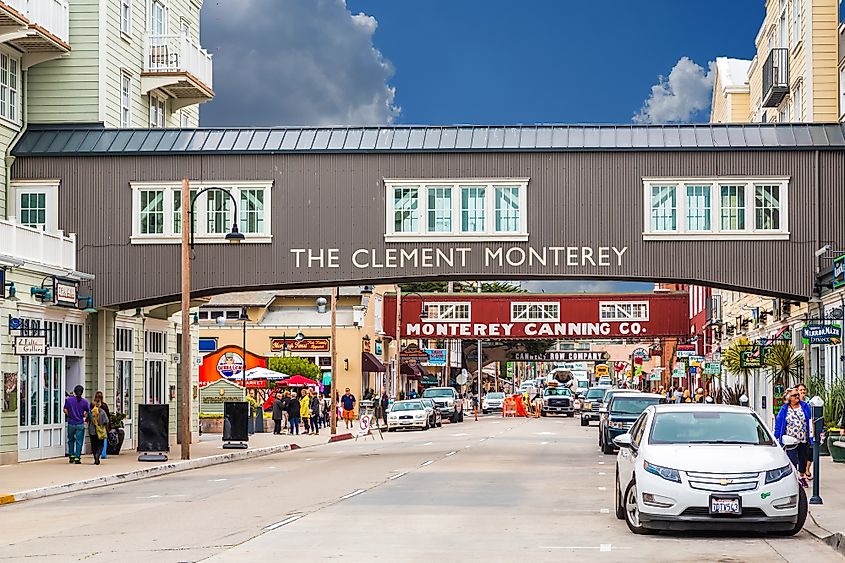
(217, 480)
(284, 522)
(605, 511)
(459, 434)
(605, 547)
(543, 443)
(451, 453)
(602, 488)
(601, 463)
(428, 443)
(423, 464)
(602, 473)
(392, 477)
(352, 494)
(545, 433)
(467, 446)
(602, 547)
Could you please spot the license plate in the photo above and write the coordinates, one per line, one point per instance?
(725, 506)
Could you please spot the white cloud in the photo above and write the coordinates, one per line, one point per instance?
(295, 62)
(681, 97)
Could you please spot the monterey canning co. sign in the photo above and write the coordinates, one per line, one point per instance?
(525, 316)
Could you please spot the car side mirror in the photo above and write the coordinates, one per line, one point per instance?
(624, 441)
(789, 442)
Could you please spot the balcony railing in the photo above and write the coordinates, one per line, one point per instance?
(177, 54)
(775, 77)
(56, 250)
(51, 15)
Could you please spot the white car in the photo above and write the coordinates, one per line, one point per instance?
(712, 467)
(407, 414)
(492, 401)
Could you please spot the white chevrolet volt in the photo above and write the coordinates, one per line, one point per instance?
(711, 467)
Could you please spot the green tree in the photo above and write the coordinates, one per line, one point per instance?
(732, 359)
(294, 365)
(784, 363)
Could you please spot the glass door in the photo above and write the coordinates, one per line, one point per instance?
(41, 431)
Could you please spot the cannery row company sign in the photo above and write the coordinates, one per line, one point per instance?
(526, 316)
(561, 356)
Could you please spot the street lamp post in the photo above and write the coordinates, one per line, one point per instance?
(817, 405)
(334, 360)
(187, 214)
(244, 318)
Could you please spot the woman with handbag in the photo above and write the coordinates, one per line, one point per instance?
(98, 429)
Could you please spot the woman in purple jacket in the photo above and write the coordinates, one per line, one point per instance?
(795, 419)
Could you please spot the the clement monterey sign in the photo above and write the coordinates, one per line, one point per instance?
(545, 316)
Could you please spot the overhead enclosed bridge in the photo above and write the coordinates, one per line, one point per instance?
(741, 207)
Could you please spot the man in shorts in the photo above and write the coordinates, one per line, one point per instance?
(348, 403)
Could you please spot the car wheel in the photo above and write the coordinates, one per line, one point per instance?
(606, 448)
(461, 417)
(484, 412)
(427, 426)
(584, 422)
(570, 414)
(440, 423)
(543, 413)
(802, 514)
(632, 511)
(454, 418)
(620, 509)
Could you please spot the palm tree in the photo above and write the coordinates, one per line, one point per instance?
(784, 362)
(732, 358)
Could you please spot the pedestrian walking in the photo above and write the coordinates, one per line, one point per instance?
(412, 394)
(98, 429)
(802, 394)
(327, 409)
(699, 395)
(686, 397)
(315, 413)
(278, 414)
(348, 403)
(76, 412)
(794, 419)
(385, 403)
(305, 411)
(98, 396)
(293, 414)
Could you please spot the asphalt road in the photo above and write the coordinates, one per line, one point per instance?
(493, 490)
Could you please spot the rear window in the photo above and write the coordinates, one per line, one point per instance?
(632, 405)
(439, 393)
(595, 393)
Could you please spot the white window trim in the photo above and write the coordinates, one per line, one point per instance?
(50, 188)
(716, 233)
(127, 35)
(166, 22)
(441, 304)
(155, 100)
(126, 75)
(490, 210)
(201, 236)
(14, 123)
(555, 319)
(641, 318)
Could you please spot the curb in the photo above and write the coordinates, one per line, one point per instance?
(155, 471)
(836, 540)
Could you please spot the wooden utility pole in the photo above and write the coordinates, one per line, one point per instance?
(334, 360)
(185, 357)
(398, 339)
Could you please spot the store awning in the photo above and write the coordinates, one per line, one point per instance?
(412, 371)
(371, 364)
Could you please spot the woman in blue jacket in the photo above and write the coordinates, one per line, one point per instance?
(795, 419)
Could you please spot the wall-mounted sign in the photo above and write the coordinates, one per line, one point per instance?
(641, 354)
(685, 350)
(279, 345)
(378, 348)
(412, 352)
(712, 368)
(751, 358)
(15, 323)
(436, 357)
(696, 361)
(839, 271)
(65, 292)
(230, 365)
(30, 345)
(817, 333)
(566, 356)
(655, 350)
(366, 345)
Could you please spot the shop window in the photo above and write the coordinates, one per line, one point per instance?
(623, 311)
(540, 312)
(454, 312)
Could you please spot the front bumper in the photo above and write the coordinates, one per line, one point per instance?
(407, 423)
(726, 524)
(557, 409)
(492, 407)
(590, 415)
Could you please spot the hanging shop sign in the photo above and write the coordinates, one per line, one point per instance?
(65, 292)
(436, 357)
(279, 345)
(696, 361)
(378, 348)
(712, 368)
(685, 350)
(751, 358)
(838, 271)
(817, 333)
(30, 345)
(366, 345)
(655, 350)
(564, 356)
(641, 354)
(226, 364)
(413, 353)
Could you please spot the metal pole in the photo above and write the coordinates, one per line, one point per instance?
(243, 367)
(398, 338)
(185, 358)
(818, 422)
(334, 360)
(479, 362)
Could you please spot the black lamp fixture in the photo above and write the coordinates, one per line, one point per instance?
(195, 319)
(139, 314)
(235, 236)
(11, 291)
(88, 302)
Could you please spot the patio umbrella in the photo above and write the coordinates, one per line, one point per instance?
(299, 381)
(264, 373)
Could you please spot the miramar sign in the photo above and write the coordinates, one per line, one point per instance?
(461, 257)
(822, 333)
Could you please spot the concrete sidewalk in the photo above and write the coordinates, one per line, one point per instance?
(827, 520)
(38, 479)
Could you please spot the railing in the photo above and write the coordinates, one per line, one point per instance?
(52, 15)
(775, 77)
(177, 53)
(34, 245)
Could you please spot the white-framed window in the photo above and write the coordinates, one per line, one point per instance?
(158, 17)
(184, 121)
(623, 311)
(155, 342)
(783, 113)
(126, 17)
(473, 209)
(9, 87)
(155, 382)
(157, 207)
(158, 111)
(783, 27)
(453, 312)
(73, 336)
(125, 96)
(797, 104)
(700, 208)
(797, 9)
(36, 204)
(214, 314)
(524, 311)
(842, 89)
(123, 386)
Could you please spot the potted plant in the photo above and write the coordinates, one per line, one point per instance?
(833, 395)
(116, 433)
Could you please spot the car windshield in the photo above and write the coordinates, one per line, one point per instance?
(583, 384)
(558, 392)
(407, 406)
(427, 402)
(495, 395)
(595, 393)
(714, 427)
(632, 405)
(439, 393)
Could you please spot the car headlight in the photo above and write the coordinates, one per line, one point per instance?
(419, 415)
(392, 417)
(663, 472)
(450, 403)
(775, 475)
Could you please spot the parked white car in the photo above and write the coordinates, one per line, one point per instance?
(710, 467)
(407, 414)
(492, 401)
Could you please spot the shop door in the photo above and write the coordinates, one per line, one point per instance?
(41, 432)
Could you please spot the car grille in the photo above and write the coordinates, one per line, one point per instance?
(750, 512)
(723, 482)
(558, 402)
(405, 417)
